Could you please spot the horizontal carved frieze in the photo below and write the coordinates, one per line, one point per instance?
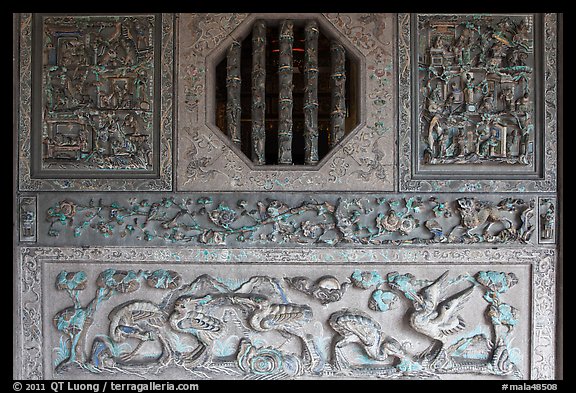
(252, 324)
(319, 220)
(381, 287)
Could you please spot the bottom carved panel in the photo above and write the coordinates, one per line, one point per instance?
(121, 316)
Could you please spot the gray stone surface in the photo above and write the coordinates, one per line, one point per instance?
(215, 268)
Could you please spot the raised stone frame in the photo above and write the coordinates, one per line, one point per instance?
(30, 174)
(541, 178)
(209, 161)
(33, 263)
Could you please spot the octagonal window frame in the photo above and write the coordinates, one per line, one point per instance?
(240, 33)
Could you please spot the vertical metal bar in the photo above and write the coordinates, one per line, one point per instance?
(233, 84)
(337, 89)
(311, 93)
(258, 92)
(285, 102)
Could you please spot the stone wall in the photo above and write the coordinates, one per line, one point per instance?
(425, 244)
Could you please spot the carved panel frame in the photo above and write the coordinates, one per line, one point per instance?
(159, 178)
(546, 129)
(33, 260)
(208, 161)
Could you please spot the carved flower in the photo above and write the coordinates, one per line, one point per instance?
(408, 224)
(212, 237)
(223, 216)
(366, 279)
(65, 211)
(275, 208)
(496, 281)
(67, 208)
(382, 300)
(310, 229)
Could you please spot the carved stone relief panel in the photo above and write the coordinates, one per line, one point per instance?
(27, 218)
(96, 102)
(273, 219)
(134, 312)
(477, 102)
(208, 160)
(436, 259)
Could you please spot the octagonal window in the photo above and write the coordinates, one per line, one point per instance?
(286, 93)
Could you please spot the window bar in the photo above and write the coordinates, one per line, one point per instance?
(258, 92)
(233, 84)
(337, 88)
(285, 102)
(311, 94)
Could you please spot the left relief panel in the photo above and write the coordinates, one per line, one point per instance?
(95, 102)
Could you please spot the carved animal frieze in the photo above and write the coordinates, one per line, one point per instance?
(366, 220)
(251, 329)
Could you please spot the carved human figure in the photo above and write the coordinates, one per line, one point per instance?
(469, 92)
(548, 222)
(496, 53)
(487, 104)
(434, 135)
(462, 46)
(507, 98)
(523, 103)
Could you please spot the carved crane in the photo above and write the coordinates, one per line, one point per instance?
(135, 319)
(355, 326)
(436, 316)
(286, 318)
(190, 317)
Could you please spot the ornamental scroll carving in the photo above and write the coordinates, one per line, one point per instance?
(251, 329)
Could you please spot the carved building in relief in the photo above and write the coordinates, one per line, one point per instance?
(287, 196)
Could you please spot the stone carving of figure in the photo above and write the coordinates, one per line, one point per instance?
(457, 94)
(462, 47)
(460, 142)
(487, 104)
(469, 92)
(548, 222)
(523, 103)
(496, 53)
(507, 98)
(434, 134)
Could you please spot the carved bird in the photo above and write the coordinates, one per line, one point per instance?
(190, 317)
(152, 213)
(355, 326)
(135, 319)
(286, 318)
(265, 316)
(437, 316)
